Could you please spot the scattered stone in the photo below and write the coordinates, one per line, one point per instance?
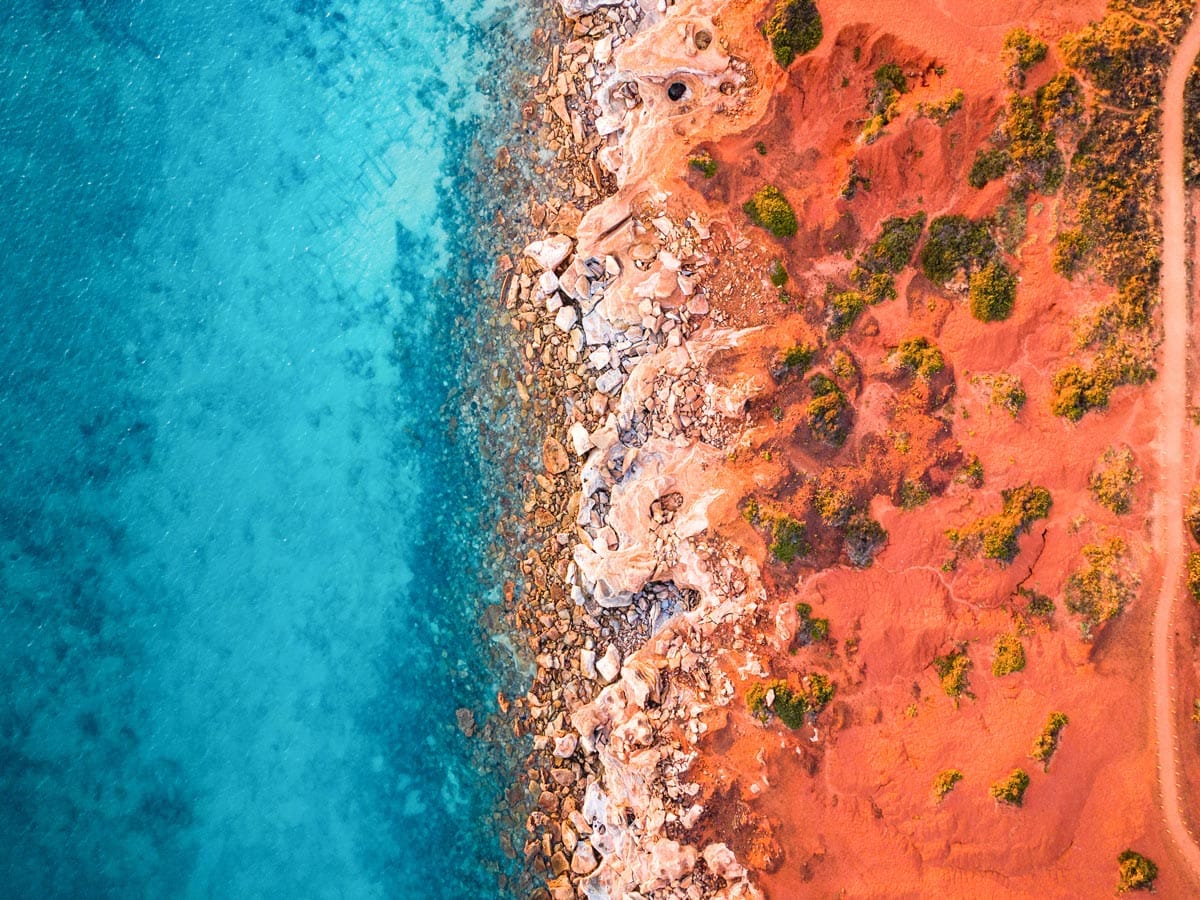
(550, 251)
(584, 860)
(566, 318)
(565, 745)
(609, 666)
(554, 456)
(581, 441)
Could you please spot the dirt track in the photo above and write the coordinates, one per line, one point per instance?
(1169, 533)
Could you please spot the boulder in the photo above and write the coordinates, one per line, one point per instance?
(608, 667)
(554, 456)
(551, 251)
(566, 318)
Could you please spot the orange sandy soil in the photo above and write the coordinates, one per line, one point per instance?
(852, 813)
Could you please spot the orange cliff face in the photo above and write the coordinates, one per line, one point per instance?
(848, 806)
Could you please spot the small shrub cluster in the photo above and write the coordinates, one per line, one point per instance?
(944, 783)
(1113, 481)
(1071, 249)
(1193, 574)
(1191, 514)
(941, 111)
(799, 357)
(1135, 872)
(1101, 589)
(912, 494)
(1022, 51)
(993, 290)
(988, 165)
(972, 471)
(953, 671)
(808, 629)
(790, 704)
(794, 30)
(704, 164)
(888, 84)
(1032, 149)
(1078, 390)
(1123, 58)
(779, 275)
(769, 209)
(844, 309)
(828, 411)
(1011, 790)
(893, 249)
(863, 538)
(920, 357)
(1037, 605)
(834, 504)
(1008, 655)
(789, 539)
(1005, 391)
(1047, 742)
(955, 244)
(997, 536)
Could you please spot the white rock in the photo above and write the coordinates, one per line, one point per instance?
(581, 441)
(548, 283)
(554, 302)
(607, 124)
(566, 318)
(550, 252)
(610, 382)
(609, 665)
(565, 745)
(584, 859)
(575, 8)
(698, 305)
(599, 358)
(722, 862)
(602, 49)
(587, 662)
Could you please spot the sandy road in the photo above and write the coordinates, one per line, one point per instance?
(1168, 526)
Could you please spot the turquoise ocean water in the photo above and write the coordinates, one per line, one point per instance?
(244, 508)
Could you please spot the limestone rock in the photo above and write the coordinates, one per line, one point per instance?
(551, 251)
(584, 859)
(609, 666)
(565, 745)
(580, 439)
(566, 318)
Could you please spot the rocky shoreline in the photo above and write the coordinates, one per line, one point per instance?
(632, 603)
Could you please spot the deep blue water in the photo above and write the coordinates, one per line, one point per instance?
(243, 510)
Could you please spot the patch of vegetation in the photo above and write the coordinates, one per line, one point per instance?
(988, 165)
(1009, 655)
(789, 539)
(769, 209)
(1047, 742)
(941, 111)
(1011, 790)
(993, 291)
(1022, 51)
(790, 704)
(1038, 604)
(953, 671)
(863, 538)
(972, 471)
(889, 84)
(1122, 57)
(893, 249)
(1101, 589)
(808, 629)
(1071, 249)
(1170, 17)
(842, 364)
(1135, 872)
(944, 783)
(955, 244)
(1060, 100)
(1077, 390)
(760, 148)
(997, 536)
(799, 357)
(704, 164)
(834, 504)
(1193, 574)
(1005, 391)
(920, 357)
(1191, 514)
(844, 309)
(1113, 481)
(794, 30)
(1032, 149)
(779, 275)
(912, 494)
(828, 412)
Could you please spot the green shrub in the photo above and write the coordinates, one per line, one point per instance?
(789, 704)
(808, 629)
(1099, 591)
(769, 209)
(955, 243)
(891, 77)
(789, 539)
(826, 414)
(844, 309)
(760, 148)
(1038, 605)
(1023, 51)
(993, 291)
(834, 504)
(1071, 248)
(1077, 390)
(953, 670)
(1193, 574)
(1122, 57)
(1112, 483)
(863, 539)
(794, 30)
(799, 357)
(1032, 151)
(940, 111)
(1005, 391)
(997, 535)
(944, 783)
(1009, 655)
(987, 166)
(1047, 742)
(1191, 514)
(1060, 100)
(704, 163)
(893, 249)
(920, 357)
(1011, 790)
(972, 471)
(779, 275)
(912, 494)
(1135, 872)
(879, 287)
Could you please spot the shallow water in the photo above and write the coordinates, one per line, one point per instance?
(243, 523)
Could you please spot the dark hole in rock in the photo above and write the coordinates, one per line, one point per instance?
(676, 90)
(703, 39)
(727, 88)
